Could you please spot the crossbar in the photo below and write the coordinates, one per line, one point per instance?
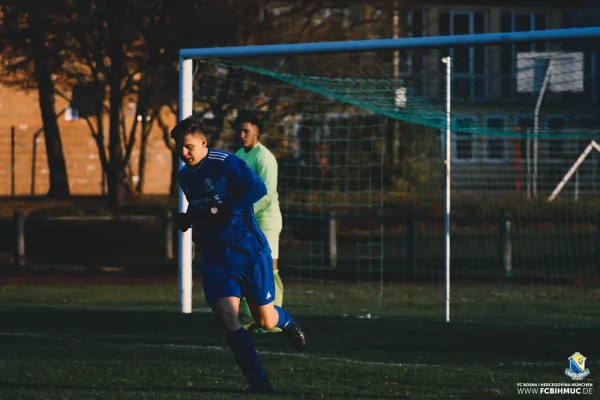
(353, 46)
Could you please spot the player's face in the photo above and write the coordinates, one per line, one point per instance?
(249, 135)
(192, 149)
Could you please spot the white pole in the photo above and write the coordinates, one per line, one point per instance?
(592, 146)
(186, 100)
(576, 185)
(528, 150)
(536, 123)
(448, 164)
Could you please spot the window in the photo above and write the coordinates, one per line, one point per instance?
(495, 146)
(587, 18)
(556, 146)
(411, 61)
(552, 148)
(584, 17)
(463, 141)
(588, 122)
(469, 68)
(588, 129)
(590, 125)
(518, 22)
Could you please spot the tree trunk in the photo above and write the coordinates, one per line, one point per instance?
(115, 185)
(146, 127)
(59, 182)
(175, 161)
(116, 172)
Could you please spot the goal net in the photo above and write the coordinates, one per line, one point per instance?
(359, 131)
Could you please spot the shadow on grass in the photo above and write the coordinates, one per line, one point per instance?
(162, 389)
(409, 341)
(191, 390)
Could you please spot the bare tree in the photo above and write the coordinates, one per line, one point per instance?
(30, 33)
(114, 59)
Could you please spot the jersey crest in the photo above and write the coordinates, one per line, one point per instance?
(208, 186)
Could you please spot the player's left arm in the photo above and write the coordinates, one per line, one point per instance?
(266, 169)
(247, 187)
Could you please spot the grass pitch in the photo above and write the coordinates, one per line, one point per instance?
(127, 341)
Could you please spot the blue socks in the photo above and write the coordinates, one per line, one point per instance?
(242, 346)
(246, 358)
(285, 319)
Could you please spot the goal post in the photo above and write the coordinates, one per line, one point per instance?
(186, 105)
(367, 84)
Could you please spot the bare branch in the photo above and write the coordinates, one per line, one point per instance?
(166, 133)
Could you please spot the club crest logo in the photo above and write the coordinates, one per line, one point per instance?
(577, 370)
(214, 210)
(208, 186)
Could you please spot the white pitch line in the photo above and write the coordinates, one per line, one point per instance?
(340, 359)
(209, 347)
(53, 336)
(300, 355)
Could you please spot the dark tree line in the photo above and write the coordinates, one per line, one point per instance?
(127, 50)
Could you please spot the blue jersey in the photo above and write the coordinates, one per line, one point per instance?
(223, 177)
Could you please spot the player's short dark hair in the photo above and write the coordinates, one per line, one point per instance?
(248, 118)
(191, 125)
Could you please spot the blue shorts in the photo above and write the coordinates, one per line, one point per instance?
(255, 283)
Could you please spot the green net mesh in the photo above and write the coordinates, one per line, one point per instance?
(360, 141)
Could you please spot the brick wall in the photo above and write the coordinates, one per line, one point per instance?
(21, 110)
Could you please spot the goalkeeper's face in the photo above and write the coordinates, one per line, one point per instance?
(249, 135)
(192, 149)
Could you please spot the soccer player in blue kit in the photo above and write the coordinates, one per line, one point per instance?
(221, 190)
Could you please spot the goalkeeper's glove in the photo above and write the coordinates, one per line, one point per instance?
(214, 211)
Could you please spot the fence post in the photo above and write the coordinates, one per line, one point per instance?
(505, 242)
(33, 166)
(597, 263)
(333, 256)
(169, 234)
(411, 241)
(12, 160)
(20, 239)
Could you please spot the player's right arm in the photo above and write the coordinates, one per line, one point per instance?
(183, 220)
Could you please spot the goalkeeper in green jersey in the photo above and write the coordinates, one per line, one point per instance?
(266, 210)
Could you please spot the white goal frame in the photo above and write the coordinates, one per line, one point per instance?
(186, 101)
